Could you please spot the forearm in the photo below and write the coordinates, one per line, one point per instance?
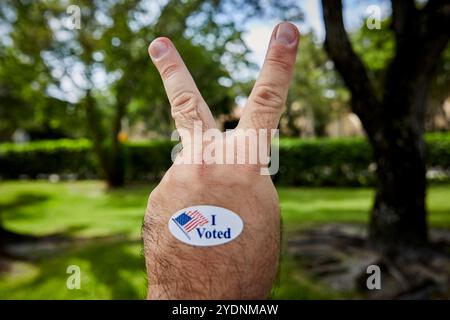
(203, 273)
(244, 268)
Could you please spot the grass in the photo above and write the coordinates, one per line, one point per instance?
(304, 206)
(114, 269)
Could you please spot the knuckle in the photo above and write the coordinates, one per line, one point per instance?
(265, 95)
(185, 105)
(280, 65)
(183, 99)
(169, 70)
(277, 59)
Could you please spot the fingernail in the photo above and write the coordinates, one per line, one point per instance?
(286, 34)
(158, 49)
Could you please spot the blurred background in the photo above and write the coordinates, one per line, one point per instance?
(85, 130)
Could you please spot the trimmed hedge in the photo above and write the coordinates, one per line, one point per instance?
(313, 162)
(149, 161)
(63, 157)
(75, 158)
(325, 162)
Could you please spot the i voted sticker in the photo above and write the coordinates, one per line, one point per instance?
(205, 225)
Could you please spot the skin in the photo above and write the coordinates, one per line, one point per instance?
(246, 267)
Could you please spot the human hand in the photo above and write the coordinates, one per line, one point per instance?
(246, 267)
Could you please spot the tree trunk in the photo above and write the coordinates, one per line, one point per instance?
(111, 159)
(96, 132)
(116, 175)
(398, 218)
(116, 170)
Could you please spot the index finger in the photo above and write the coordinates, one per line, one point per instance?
(187, 104)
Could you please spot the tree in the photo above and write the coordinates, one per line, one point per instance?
(394, 117)
(118, 49)
(101, 71)
(376, 50)
(112, 42)
(24, 76)
(316, 86)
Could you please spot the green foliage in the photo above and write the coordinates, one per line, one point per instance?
(97, 80)
(48, 70)
(25, 76)
(312, 162)
(317, 92)
(438, 150)
(375, 47)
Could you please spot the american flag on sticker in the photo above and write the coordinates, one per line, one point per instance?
(190, 220)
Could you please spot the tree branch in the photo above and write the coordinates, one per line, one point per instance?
(421, 36)
(436, 19)
(404, 14)
(349, 65)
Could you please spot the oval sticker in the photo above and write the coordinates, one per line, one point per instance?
(205, 225)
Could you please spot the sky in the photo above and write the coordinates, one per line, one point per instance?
(259, 31)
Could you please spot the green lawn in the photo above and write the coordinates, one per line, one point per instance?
(112, 264)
